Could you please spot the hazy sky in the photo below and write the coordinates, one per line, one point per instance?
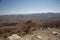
(28, 6)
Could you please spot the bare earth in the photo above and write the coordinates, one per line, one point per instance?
(45, 34)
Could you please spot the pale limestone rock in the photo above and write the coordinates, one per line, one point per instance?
(14, 37)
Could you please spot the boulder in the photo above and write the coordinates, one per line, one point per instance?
(36, 37)
(14, 37)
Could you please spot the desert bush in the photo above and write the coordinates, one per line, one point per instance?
(26, 28)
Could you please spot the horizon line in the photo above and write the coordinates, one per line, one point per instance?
(28, 13)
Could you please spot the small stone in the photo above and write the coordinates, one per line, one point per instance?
(55, 33)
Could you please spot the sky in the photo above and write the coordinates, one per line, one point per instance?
(28, 6)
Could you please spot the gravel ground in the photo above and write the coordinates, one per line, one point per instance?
(43, 35)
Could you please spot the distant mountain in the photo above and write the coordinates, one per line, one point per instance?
(37, 17)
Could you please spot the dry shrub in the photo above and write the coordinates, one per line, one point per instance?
(26, 28)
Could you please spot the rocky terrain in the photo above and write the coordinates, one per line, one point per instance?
(31, 27)
(46, 34)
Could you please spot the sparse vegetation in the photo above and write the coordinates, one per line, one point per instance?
(23, 27)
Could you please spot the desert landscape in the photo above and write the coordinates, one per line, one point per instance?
(29, 19)
(39, 26)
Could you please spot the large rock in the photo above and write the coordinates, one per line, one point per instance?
(14, 37)
(36, 37)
